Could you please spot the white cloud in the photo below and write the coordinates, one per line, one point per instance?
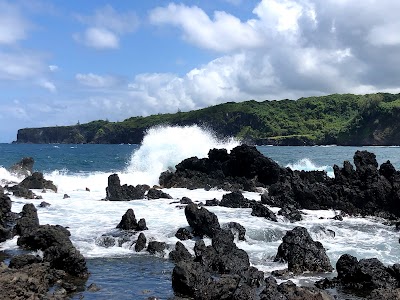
(105, 27)
(99, 38)
(48, 85)
(96, 81)
(20, 65)
(13, 26)
(224, 32)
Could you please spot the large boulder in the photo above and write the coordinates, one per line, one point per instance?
(218, 271)
(201, 220)
(235, 200)
(116, 192)
(245, 168)
(128, 222)
(6, 217)
(157, 194)
(302, 253)
(29, 220)
(37, 181)
(289, 291)
(57, 249)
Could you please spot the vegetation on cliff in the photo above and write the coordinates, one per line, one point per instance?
(335, 119)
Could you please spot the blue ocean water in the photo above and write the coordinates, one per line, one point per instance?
(124, 274)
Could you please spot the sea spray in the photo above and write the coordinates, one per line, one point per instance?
(305, 164)
(163, 147)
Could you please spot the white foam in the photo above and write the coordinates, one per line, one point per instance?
(163, 147)
(305, 164)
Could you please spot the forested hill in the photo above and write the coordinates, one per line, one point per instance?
(346, 119)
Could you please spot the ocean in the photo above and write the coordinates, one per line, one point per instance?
(119, 271)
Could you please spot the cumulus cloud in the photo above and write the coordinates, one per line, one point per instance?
(53, 68)
(105, 27)
(20, 65)
(288, 49)
(224, 32)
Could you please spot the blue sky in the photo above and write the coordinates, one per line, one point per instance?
(67, 61)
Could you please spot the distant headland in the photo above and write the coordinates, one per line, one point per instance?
(341, 119)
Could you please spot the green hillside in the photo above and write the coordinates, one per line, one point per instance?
(344, 119)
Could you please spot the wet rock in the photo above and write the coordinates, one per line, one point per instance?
(128, 222)
(244, 168)
(289, 291)
(302, 253)
(6, 217)
(183, 234)
(155, 247)
(291, 213)
(93, 288)
(141, 242)
(57, 249)
(20, 261)
(29, 282)
(142, 225)
(235, 200)
(37, 181)
(259, 210)
(22, 192)
(157, 194)
(180, 253)
(116, 192)
(238, 229)
(185, 200)
(384, 294)
(44, 204)
(29, 220)
(105, 241)
(201, 220)
(24, 167)
(213, 202)
(66, 196)
(218, 271)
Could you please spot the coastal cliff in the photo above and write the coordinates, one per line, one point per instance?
(335, 119)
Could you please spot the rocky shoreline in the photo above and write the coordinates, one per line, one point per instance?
(220, 270)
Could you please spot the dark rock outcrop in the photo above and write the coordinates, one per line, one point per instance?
(29, 220)
(218, 271)
(141, 242)
(155, 247)
(180, 253)
(20, 261)
(259, 210)
(116, 192)
(201, 220)
(183, 234)
(157, 194)
(367, 278)
(289, 291)
(57, 249)
(291, 213)
(128, 222)
(6, 217)
(245, 168)
(32, 281)
(302, 253)
(235, 200)
(238, 229)
(37, 181)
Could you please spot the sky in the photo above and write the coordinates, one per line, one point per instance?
(64, 62)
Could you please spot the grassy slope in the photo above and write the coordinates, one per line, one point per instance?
(326, 119)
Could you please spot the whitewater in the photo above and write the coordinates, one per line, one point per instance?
(89, 217)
